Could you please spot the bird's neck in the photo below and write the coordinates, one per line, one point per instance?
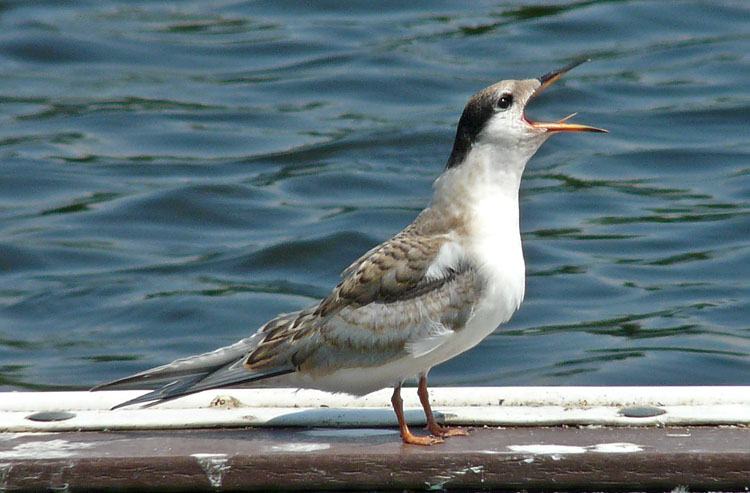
(486, 180)
(480, 199)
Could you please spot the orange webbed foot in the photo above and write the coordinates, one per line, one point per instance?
(419, 440)
(444, 431)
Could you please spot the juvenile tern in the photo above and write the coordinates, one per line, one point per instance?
(433, 291)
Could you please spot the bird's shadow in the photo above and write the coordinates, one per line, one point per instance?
(348, 418)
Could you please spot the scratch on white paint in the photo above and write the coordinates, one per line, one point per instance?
(301, 447)
(616, 448)
(461, 472)
(226, 402)
(5, 468)
(438, 482)
(548, 449)
(214, 466)
(557, 451)
(52, 449)
(21, 434)
(437, 486)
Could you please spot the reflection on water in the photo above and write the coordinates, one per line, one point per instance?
(173, 176)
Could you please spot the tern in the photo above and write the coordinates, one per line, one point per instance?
(433, 291)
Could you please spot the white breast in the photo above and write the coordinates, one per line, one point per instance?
(495, 246)
(490, 241)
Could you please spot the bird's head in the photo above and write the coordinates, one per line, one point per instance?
(496, 117)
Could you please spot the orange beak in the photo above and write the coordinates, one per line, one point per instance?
(560, 125)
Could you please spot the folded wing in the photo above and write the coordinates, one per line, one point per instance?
(401, 297)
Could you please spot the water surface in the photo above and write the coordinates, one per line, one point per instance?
(173, 174)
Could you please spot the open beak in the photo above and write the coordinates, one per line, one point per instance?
(560, 125)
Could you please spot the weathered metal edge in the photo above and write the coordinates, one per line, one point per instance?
(534, 406)
(560, 458)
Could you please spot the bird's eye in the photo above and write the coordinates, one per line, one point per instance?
(505, 101)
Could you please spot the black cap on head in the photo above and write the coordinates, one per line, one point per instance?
(478, 110)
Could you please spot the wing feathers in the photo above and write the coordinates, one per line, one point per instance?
(436, 338)
(390, 272)
(405, 296)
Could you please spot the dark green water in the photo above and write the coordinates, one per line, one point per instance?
(173, 174)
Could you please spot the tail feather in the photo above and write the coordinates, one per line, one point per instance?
(150, 379)
(197, 383)
(171, 390)
(221, 368)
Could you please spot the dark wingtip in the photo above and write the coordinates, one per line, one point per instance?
(153, 398)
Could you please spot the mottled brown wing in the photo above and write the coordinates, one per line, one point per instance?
(394, 270)
(384, 303)
(364, 335)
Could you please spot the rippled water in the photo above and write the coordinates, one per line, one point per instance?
(173, 174)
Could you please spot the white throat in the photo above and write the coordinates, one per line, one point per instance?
(482, 194)
(489, 170)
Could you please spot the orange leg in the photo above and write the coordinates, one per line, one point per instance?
(406, 435)
(432, 425)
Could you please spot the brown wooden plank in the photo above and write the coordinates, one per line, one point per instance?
(589, 458)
